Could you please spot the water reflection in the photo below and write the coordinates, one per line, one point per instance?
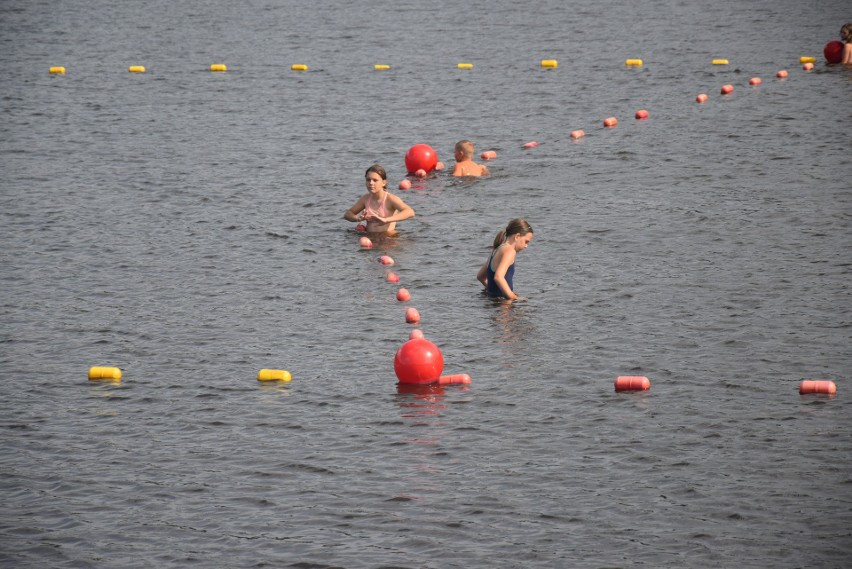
(515, 327)
(420, 401)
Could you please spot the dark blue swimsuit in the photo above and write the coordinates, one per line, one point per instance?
(492, 289)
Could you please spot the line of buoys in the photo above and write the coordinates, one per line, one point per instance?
(465, 65)
(104, 372)
(634, 63)
(299, 67)
(57, 70)
(817, 386)
(632, 383)
(381, 67)
(274, 375)
(218, 67)
(549, 63)
(136, 69)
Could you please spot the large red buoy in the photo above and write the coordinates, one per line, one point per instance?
(421, 157)
(833, 51)
(418, 361)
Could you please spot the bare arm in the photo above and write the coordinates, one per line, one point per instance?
(504, 257)
(401, 211)
(847, 54)
(355, 213)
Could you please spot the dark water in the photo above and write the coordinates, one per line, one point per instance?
(185, 226)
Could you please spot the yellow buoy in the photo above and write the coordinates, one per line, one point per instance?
(633, 63)
(136, 69)
(381, 67)
(274, 375)
(465, 66)
(218, 67)
(720, 62)
(101, 372)
(803, 59)
(299, 67)
(58, 70)
(549, 63)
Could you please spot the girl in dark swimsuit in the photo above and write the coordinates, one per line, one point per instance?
(497, 272)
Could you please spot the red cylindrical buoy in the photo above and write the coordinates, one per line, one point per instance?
(455, 379)
(405, 185)
(641, 114)
(421, 157)
(610, 122)
(366, 243)
(575, 134)
(418, 361)
(727, 89)
(817, 386)
(392, 278)
(755, 81)
(782, 74)
(531, 144)
(632, 383)
(412, 316)
(833, 51)
(386, 260)
(403, 295)
(701, 98)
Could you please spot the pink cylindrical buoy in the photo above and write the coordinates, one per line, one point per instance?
(421, 173)
(386, 260)
(755, 81)
(575, 134)
(405, 185)
(808, 66)
(440, 165)
(418, 361)
(610, 122)
(360, 228)
(416, 333)
(817, 386)
(701, 98)
(366, 243)
(727, 89)
(403, 295)
(531, 144)
(632, 383)
(641, 114)
(392, 278)
(455, 379)
(489, 155)
(782, 74)
(412, 316)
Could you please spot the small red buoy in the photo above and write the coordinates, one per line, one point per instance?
(403, 295)
(392, 278)
(727, 89)
(412, 316)
(808, 66)
(415, 334)
(833, 51)
(632, 383)
(360, 228)
(610, 122)
(782, 74)
(642, 114)
(575, 134)
(817, 386)
(701, 98)
(421, 173)
(455, 379)
(421, 157)
(531, 144)
(366, 243)
(755, 81)
(489, 155)
(418, 361)
(439, 165)
(386, 260)
(405, 185)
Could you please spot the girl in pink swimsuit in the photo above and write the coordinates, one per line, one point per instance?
(378, 207)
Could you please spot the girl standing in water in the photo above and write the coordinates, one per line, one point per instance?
(497, 272)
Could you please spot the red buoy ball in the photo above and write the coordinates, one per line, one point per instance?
(418, 361)
(833, 51)
(421, 157)
(405, 185)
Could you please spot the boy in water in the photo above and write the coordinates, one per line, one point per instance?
(465, 166)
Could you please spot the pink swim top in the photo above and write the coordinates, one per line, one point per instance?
(381, 211)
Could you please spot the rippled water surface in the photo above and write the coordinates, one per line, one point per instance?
(186, 227)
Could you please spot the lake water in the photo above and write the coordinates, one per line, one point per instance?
(186, 227)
